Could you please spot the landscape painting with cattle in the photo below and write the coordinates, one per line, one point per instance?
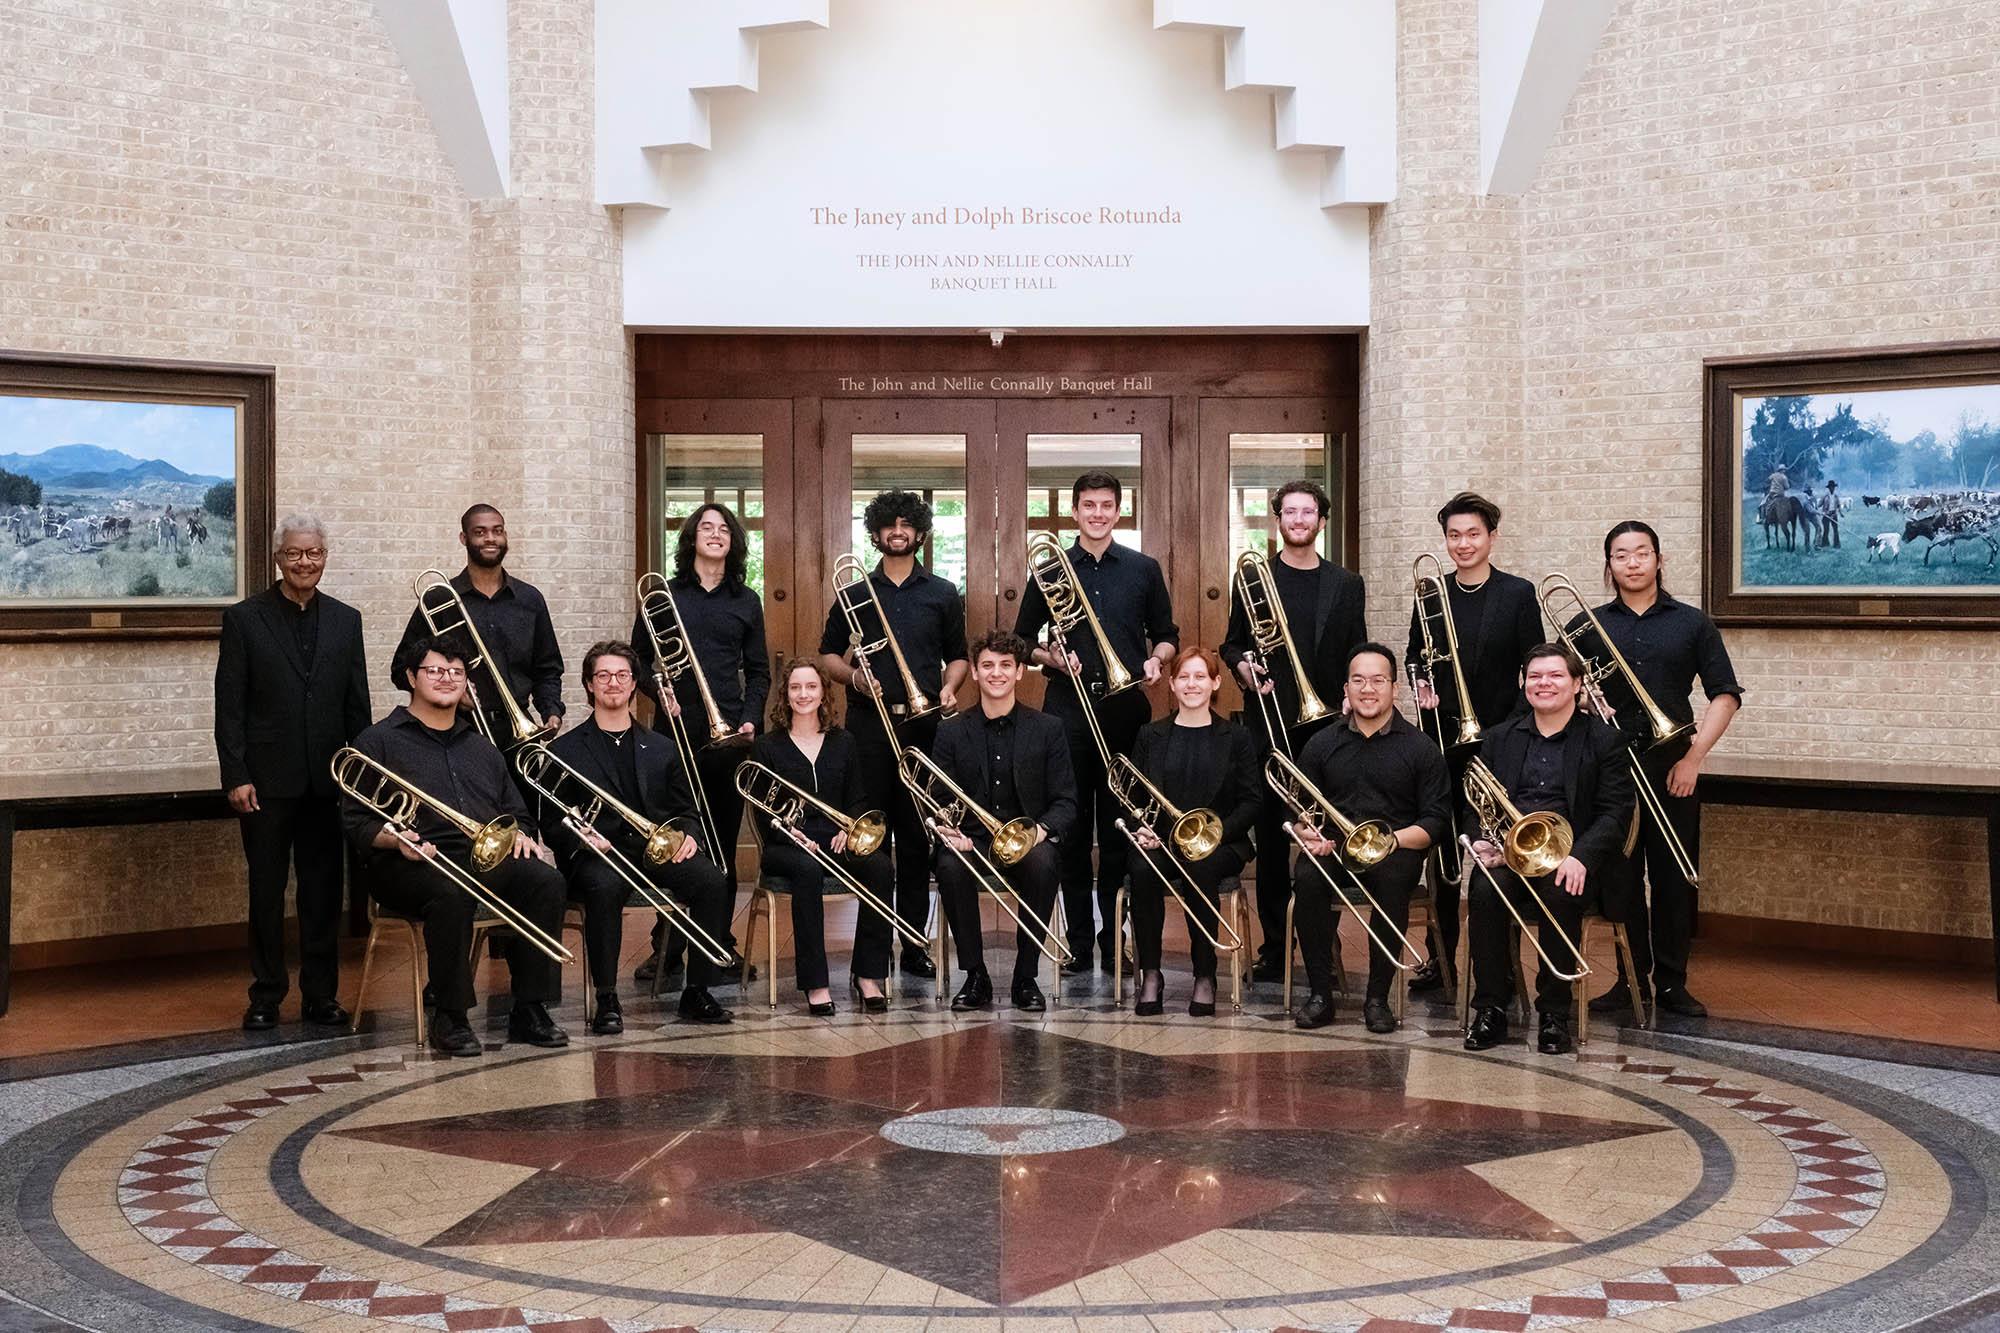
(108, 500)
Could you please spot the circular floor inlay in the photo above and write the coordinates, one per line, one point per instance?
(1002, 1131)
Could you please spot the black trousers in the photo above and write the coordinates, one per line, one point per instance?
(908, 844)
(1492, 937)
(1035, 877)
(718, 782)
(301, 832)
(1651, 895)
(420, 890)
(695, 884)
(1274, 845)
(1120, 718)
(1446, 864)
(1317, 914)
(809, 888)
(1149, 904)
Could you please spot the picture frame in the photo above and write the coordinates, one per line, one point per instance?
(136, 495)
(1853, 488)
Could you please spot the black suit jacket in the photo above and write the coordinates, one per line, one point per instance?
(276, 723)
(1229, 782)
(1340, 624)
(1597, 781)
(663, 786)
(1043, 779)
(1500, 623)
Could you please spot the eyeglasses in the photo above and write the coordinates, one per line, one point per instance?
(292, 556)
(711, 529)
(443, 673)
(1361, 682)
(612, 677)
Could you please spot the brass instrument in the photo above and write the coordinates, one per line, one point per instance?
(1194, 834)
(1431, 592)
(850, 572)
(672, 654)
(943, 805)
(1532, 845)
(1070, 609)
(445, 613)
(1271, 633)
(786, 803)
(378, 788)
(580, 802)
(1363, 844)
(1660, 728)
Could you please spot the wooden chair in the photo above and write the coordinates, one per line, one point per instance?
(1579, 994)
(1230, 901)
(381, 922)
(485, 923)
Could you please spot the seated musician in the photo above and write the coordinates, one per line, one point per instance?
(1559, 759)
(1198, 761)
(803, 748)
(1014, 761)
(435, 748)
(1372, 765)
(643, 769)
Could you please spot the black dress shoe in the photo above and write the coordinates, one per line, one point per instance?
(869, 1004)
(698, 1006)
(452, 1035)
(1268, 968)
(1028, 996)
(610, 1020)
(261, 1016)
(1078, 966)
(1489, 1029)
(1150, 1008)
(1429, 977)
(326, 1014)
(919, 965)
(1615, 1000)
(1554, 1036)
(531, 1023)
(1202, 1008)
(1376, 1014)
(1678, 1001)
(825, 1010)
(975, 993)
(1316, 1012)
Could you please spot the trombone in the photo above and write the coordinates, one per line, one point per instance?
(1364, 844)
(1070, 609)
(378, 788)
(673, 653)
(1531, 845)
(944, 805)
(1431, 593)
(1270, 632)
(1660, 728)
(445, 612)
(1194, 834)
(786, 803)
(849, 572)
(580, 801)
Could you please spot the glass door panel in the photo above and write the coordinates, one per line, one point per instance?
(1259, 463)
(695, 470)
(934, 467)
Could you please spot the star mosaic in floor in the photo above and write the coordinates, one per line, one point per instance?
(1086, 1172)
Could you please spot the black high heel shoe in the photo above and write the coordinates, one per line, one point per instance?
(821, 1010)
(1202, 1008)
(1149, 1008)
(870, 1004)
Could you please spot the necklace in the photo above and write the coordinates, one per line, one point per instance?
(618, 737)
(1475, 587)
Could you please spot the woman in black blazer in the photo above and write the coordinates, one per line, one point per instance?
(805, 750)
(1197, 760)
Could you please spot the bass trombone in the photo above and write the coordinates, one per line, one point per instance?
(386, 793)
(1271, 633)
(1193, 834)
(1531, 845)
(1659, 727)
(1364, 844)
(1431, 593)
(944, 806)
(580, 802)
(786, 803)
(848, 573)
(445, 613)
(673, 653)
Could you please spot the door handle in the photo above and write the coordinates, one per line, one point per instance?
(778, 595)
(1009, 594)
(1214, 593)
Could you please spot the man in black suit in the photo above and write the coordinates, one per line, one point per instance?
(1325, 609)
(1014, 761)
(1557, 758)
(1496, 617)
(290, 689)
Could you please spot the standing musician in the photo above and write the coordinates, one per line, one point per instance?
(1198, 761)
(291, 687)
(927, 617)
(512, 619)
(724, 620)
(1668, 644)
(1553, 758)
(1495, 619)
(1372, 765)
(1325, 608)
(431, 746)
(643, 770)
(805, 749)
(1015, 762)
(1128, 594)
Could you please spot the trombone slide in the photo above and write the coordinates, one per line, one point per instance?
(1534, 937)
(1375, 915)
(1234, 941)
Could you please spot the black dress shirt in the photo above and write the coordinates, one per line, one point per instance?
(928, 617)
(1298, 592)
(305, 627)
(1397, 775)
(1213, 767)
(725, 627)
(1336, 625)
(834, 777)
(514, 624)
(457, 766)
(1127, 592)
(1496, 624)
(1667, 647)
(1542, 783)
(618, 757)
(1001, 797)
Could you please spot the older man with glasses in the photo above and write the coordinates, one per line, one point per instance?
(291, 687)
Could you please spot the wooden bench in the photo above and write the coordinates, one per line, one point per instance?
(99, 799)
(1963, 792)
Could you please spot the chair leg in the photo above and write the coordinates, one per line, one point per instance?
(941, 947)
(417, 983)
(1641, 1010)
(1579, 998)
(1237, 919)
(1118, 954)
(361, 995)
(1289, 937)
(770, 902)
(1520, 977)
(1463, 968)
